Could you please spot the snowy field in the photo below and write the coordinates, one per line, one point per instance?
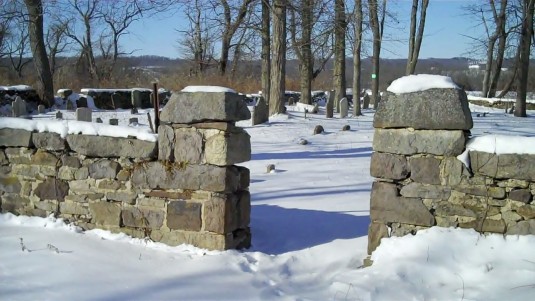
(309, 224)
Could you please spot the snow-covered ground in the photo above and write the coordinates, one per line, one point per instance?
(309, 225)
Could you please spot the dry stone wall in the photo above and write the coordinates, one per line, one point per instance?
(420, 183)
(183, 188)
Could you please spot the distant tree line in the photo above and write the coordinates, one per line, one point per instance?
(221, 36)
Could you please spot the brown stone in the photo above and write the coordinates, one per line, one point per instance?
(185, 195)
(425, 170)
(183, 215)
(527, 211)
(142, 218)
(376, 232)
(105, 214)
(389, 166)
(521, 195)
(10, 184)
(489, 225)
(52, 189)
(188, 146)
(417, 190)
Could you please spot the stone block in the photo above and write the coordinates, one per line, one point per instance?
(101, 146)
(446, 209)
(387, 206)
(158, 175)
(188, 146)
(13, 203)
(228, 148)
(66, 173)
(19, 155)
(506, 166)
(84, 114)
(480, 190)
(3, 158)
(432, 109)
(48, 206)
(521, 195)
(124, 197)
(344, 108)
(49, 141)
(70, 161)
(82, 173)
(389, 166)
(205, 240)
(425, 170)
(73, 208)
(513, 183)
(9, 184)
(74, 198)
(15, 138)
(245, 177)
(52, 189)
(224, 213)
(185, 107)
(105, 214)
(104, 169)
(42, 157)
(376, 232)
(260, 112)
(151, 202)
(410, 142)
(166, 143)
(488, 226)
(183, 215)
(522, 228)
(452, 171)
(142, 218)
(526, 211)
(417, 190)
(33, 171)
(109, 184)
(82, 186)
(177, 195)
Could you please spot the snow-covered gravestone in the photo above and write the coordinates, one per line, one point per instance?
(41, 109)
(19, 107)
(344, 107)
(260, 112)
(84, 114)
(136, 98)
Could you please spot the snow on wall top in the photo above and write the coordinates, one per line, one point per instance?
(92, 90)
(65, 127)
(16, 88)
(207, 89)
(421, 82)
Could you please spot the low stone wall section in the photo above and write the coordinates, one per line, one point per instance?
(421, 183)
(183, 188)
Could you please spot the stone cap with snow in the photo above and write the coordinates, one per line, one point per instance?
(427, 102)
(199, 106)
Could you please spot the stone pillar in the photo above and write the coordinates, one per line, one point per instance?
(417, 138)
(199, 144)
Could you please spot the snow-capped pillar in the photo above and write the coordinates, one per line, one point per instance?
(418, 134)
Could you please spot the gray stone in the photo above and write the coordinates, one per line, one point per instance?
(318, 129)
(166, 143)
(447, 209)
(66, 173)
(59, 115)
(452, 171)
(522, 228)
(291, 101)
(82, 173)
(346, 127)
(13, 203)
(506, 166)
(52, 189)
(101, 146)
(376, 232)
(10, 184)
(366, 101)
(188, 146)
(105, 214)
(389, 166)
(227, 148)
(42, 157)
(73, 208)
(109, 184)
(387, 206)
(142, 218)
(521, 195)
(125, 197)
(41, 109)
(18, 107)
(19, 155)
(418, 190)
(513, 183)
(184, 107)
(487, 226)
(245, 177)
(183, 215)
(114, 121)
(15, 138)
(344, 108)
(133, 120)
(260, 112)
(425, 170)
(136, 98)
(482, 190)
(99, 120)
(70, 161)
(3, 158)
(84, 114)
(48, 141)
(433, 109)
(526, 211)
(187, 176)
(47, 206)
(408, 142)
(104, 169)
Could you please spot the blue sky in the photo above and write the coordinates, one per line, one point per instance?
(445, 26)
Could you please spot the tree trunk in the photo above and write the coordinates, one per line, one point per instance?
(374, 24)
(35, 12)
(278, 61)
(524, 45)
(356, 59)
(306, 63)
(339, 73)
(415, 39)
(266, 57)
(502, 43)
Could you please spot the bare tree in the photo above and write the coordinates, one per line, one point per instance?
(339, 73)
(266, 49)
(302, 45)
(524, 53)
(278, 59)
(376, 31)
(357, 66)
(415, 39)
(35, 15)
(56, 42)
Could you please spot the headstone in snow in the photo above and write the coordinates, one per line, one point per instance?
(84, 114)
(18, 107)
(59, 115)
(344, 107)
(291, 101)
(260, 112)
(114, 121)
(70, 105)
(330, 105)
(136, 99)
(40, 109)
(99, 120)
(133, 111)
(366, 101)
(133, 120)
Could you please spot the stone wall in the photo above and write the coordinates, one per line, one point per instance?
(420, 183)
(183, 188)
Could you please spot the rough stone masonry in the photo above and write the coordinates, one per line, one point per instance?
(420, 182)
(184, 188)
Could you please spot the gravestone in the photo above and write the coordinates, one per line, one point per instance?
(136, 99)
(115, 100)
(366, 101)
(82, 102)
(114, 121)
(59, 115)
(330, 105)
(40, 109)
(291, 101)
(133, 111)
(70, 105)
(99, 120)
(18, 107)
(84, 114)
(260, 112)
(133, 120)
(344, 107)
